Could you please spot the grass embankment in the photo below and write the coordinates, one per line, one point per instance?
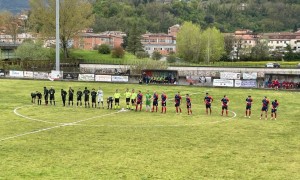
(95, 57)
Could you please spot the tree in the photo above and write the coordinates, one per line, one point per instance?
(260, 51)
(10, 24)
(188, 42)
(228, 46)
(213, 45)
(118, 52)
(30, 50)
(134, 40)
(104, 49)
(156, 55)
(75, 15)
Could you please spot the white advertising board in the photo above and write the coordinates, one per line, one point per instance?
(28, 74)
(41, 75)
(245, 83)
(223, 82)
(119, 78)
(86, 77)
(56, 74)
(103, 78)
(250, 75)
(230, 75)
(18, 74)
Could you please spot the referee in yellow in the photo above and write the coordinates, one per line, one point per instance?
(127, 95)
(117, 96)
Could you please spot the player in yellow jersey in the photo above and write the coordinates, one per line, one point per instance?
(127, 95)
(117, 96)
(133, 99)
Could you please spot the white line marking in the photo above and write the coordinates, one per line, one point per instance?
(77, 124)
(38, 120)
(53, 127)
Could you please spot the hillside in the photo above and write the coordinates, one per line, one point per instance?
(14, 6)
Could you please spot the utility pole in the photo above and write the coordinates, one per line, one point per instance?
(57, 60)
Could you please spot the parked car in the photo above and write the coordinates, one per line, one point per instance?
(272, 65)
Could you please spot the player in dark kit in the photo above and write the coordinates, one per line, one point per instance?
(46, 95)
(265, 106)
(39, 96)
(71, 96)
(52, 95)
(163, 103)
(155, 101)
(225, 103)
(63, 96)
(133, 99)
(110, 101)
(177, 100)
(79, 97)
(86, 93)
(188, 104)
(207, 101)
(94, 95)
(139, 101)
(33, 97)
(249, 101)
(275, 105)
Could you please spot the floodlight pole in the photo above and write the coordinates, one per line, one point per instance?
(57, 60)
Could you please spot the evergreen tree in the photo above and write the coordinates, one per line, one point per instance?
(134, 40)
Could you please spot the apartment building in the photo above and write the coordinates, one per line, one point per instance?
(89, 41)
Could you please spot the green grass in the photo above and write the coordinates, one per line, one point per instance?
(94, 57)
(140, 145)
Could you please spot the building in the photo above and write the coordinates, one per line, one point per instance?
(173, 30)
(244, 40)
(5, 38)
(279, 41)
(89, 41)
(163, 43)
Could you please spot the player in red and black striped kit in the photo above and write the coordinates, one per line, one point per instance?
(249, 101)
(189, 104)
(207, 101)
(163, 103)
(265, 106)
(225, 103)
(177, 102)
(155, 101)
(139, 101)
(275, 104)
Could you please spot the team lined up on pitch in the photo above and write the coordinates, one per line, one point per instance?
(134, 101)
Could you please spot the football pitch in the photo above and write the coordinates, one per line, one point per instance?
(55, 142)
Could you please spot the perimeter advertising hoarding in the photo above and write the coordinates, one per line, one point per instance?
(230, 75)
(119, 78)
(86, 77)
(41, 75)
(223, 82)
(245, 83)
(103, 78)
(28, 74)
(56, 74)
(250, 75)
(2, 73)
(18, 74)
(70, 76)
